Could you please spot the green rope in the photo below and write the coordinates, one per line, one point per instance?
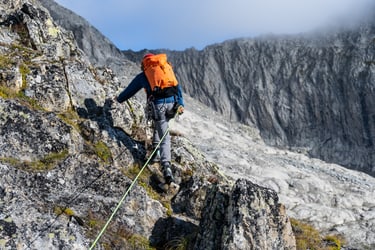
(128, 190)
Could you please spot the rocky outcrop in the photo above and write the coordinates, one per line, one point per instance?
(97, 47)
(334, 199)
(246, 217)
(68, 153)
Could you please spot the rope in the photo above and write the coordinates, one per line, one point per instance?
(129, 188)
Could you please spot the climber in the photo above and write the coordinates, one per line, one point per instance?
(164, 99)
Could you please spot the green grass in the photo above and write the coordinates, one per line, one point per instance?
(144, 181)
(103, 152)
(307, 237)
(8, 93)
(116, 236)
(5, 61)
(71, 118)
(46, 163)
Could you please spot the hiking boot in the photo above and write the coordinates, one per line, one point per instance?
(167, 172)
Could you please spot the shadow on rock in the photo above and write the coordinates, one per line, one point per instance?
(173, 233)
(103, 118)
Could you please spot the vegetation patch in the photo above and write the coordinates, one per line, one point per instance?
(58, 210)
(9, 93)
(17, 54)
(28, 101)
(46, 163)
(180, 243)
(6, 62)
(24, 70)
(133, 171)
(144, 181)
(116, 235)
(103, 152)
(63, 210)
(71, 118)
(139, 242)
(307, 237)
(22, 56)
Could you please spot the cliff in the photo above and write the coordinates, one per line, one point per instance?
(68, 154)
(310, 93)
(334, 199)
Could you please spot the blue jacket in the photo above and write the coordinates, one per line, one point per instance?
(139, 82)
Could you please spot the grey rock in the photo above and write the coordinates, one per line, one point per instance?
(95, 45)
(313, 92)
(332, 198)
(259, 82)
(99, 49)
(28, 135)
(68, 152)
(246, 217)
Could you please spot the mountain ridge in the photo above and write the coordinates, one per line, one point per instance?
(300, 94)
(107, 138)
(310, 92)
(68, 153)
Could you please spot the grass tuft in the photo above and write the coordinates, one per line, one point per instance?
(46, 163)
(103, 152)
(307, 237)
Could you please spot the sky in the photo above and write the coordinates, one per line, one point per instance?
(178, 25)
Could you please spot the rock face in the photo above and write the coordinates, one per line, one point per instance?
(229, 214)
(312, 93)
(334, 199)
(32, 134)
(99, 50)
(88, 38)
(68, 153)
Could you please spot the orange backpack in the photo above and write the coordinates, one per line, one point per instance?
(159, 72)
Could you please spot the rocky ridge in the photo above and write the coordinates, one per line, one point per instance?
(67, 154)
(306, 194)
(308, 187)
(311, 93)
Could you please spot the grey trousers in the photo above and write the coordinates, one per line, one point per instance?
(161, 119)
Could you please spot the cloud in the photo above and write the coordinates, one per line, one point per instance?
(139, 24)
